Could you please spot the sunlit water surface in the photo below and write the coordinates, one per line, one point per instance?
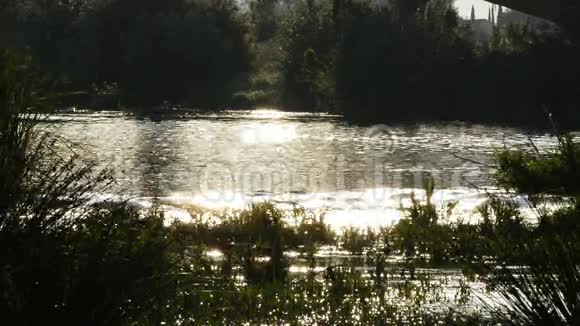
(357, 175)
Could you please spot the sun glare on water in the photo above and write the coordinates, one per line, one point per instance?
(265, 113)
(269, 130)
(268, 133)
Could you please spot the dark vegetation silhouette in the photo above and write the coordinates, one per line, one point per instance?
(416, 61)
(135, 53)
(371, 61)
(66, 259)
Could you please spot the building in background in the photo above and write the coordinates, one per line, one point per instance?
(499, 17)
(481, 29)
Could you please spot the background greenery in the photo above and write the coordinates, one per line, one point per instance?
(65, 259)
(409, 60)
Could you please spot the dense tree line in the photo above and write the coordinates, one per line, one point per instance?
(415, 61)
(146, 52)
(370, 60)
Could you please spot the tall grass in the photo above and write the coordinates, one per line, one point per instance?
(544, 291)
(536, 273)
(42, 177)
(62, 260)
(65, 261)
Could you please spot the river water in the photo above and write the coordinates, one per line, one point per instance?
(357, 175)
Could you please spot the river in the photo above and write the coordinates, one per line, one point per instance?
(358, 176)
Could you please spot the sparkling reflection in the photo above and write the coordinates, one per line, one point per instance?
(356, 175)
(268, 133)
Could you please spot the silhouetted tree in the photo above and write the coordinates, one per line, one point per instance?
(472, 13)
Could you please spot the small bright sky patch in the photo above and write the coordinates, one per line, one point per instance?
(481, 8)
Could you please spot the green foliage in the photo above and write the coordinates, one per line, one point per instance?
(35, 181)
(261, 231)
(265, 85)
(421, 234)
(199, 54)
(514, 38)
(536, 269)
(384, 60)
(544, 291)
(357, 241)
(109, 268)
(525, 75)
(180, 51)
(371, 62)
(535, 174)
(19, 86)
(307, 40)
(64, 261)
(61, 259)
(347, 55)
(263, 16)
(409, 60)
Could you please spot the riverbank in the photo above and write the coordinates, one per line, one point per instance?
(262, 265)
(336, 223)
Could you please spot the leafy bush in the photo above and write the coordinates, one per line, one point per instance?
(537, 274)
(185, 52)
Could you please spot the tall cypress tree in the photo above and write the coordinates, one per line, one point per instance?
(472, 13)
(500, 16)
